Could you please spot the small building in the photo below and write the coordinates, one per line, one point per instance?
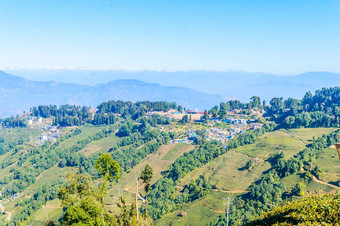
(256, 125)
(43, 137)
(183, 213)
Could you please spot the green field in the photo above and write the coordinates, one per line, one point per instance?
(198, 212)
(50, 211)
(10, 134)
(85, 132)
(224, 172)
(307, 134)
(100, 146)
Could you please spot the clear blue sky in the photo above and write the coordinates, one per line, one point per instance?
(284, 37)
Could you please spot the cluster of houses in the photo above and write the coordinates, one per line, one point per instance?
(231, 120)
(173, 114)
(238, 124)
(183, 141)
(33, 120)
(234, 116)
(223, 135)
(16, 195)
(50, 133)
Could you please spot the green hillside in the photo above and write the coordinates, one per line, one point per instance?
(226, 173)
(230, 179)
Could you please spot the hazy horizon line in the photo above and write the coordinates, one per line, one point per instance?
(41, 69)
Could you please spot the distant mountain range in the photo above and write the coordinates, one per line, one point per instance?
(204, 89)
(18, 94)
(231, 84)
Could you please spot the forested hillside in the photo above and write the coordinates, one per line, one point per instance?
(155, 162)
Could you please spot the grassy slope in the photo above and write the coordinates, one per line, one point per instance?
(51, 211)
(199, 212)
(100, 146)
(225, 173)
(159, 162)
(85, 132)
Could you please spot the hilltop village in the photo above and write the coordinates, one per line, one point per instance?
(235, 122)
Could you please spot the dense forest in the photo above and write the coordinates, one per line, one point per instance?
(105, 113)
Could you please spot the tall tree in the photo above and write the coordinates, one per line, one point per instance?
(109, 169)
(255, 101)
(146, 176)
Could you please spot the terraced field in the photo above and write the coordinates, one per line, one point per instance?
(227, 175)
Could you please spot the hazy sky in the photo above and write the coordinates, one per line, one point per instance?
(285, 37)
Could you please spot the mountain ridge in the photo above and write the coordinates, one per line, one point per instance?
(18, 94)
(231, 84)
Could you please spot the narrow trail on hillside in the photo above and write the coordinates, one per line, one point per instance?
(9, 216)
(230, 191)
(321, 182)
(296, 137)
(219, 189)
(325, 183)
(140, 196)
(218, 211)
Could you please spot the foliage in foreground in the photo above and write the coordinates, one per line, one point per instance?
(315, 210)
(84, 202)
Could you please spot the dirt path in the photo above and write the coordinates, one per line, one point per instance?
(2, 208)
(320, 181)
(325, 183)
(296, 137)
(218, 211)
(139, 195)
(219, 189)
(230, 191)
(9, 216)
